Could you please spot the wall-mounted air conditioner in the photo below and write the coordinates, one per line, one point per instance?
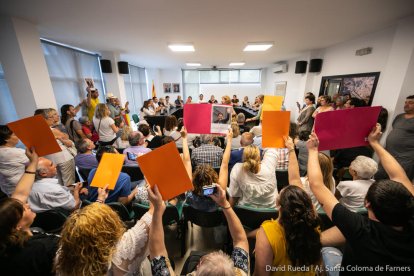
(280, 68)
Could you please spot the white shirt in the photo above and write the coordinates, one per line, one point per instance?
(176, 135)
(106, 133)
(306, 187)
(12, 166)
(353, 193)
(256, 190)
(60, 157)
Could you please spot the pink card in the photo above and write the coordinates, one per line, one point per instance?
(345, 128)
(197, 118)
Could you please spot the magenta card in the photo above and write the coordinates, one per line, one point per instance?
(345, 128)
(197, 118)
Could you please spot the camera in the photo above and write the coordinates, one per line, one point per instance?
(209, 190)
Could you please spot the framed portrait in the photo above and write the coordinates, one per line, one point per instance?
(361, 86)
(176, 87)
(167, 87)
(280, 88)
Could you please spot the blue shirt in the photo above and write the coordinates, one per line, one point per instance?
(122, 188)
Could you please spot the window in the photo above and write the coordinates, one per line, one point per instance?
(136, 88)
(68, 68)
(7, 110)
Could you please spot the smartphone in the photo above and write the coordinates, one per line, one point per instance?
(84, 184)
(209, 190)
(131, 156)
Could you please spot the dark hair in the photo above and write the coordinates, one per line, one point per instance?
(82, 145)
(304, 135)
(11, 212)
(5, 134)
(327, 98)
(357, 102)
(410, 97)
(216, 141)
(383, 118)
(145, 105)
(64, 113)
(170, 123)
(102, 149)
(301, 224)
(144, 129)
(293, 130)
(180, 124)
(197, 142)
(166, 139)
(311, 98)
(41, 111)
(391, 202)
(203, 175)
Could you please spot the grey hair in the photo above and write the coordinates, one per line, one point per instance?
(134, 138)
(83, 119)
(216, 263)
(365, 167)
(82, 145)
(206, 138)
(256, 130)
(241, 118)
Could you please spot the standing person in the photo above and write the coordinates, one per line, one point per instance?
(305, 119)
(325, 105)
(400, 140)
(73, 127)
(212, 100)
(384, 239)
(112, 103)
(105, 125)
(92, 101)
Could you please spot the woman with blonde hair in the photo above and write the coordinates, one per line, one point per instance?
(326, 165)
(235, 142)
(94, 241)
(253, 182)
(105, 125)
(123, 142)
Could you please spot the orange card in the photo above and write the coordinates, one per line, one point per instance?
(275, 125)
(272, 103)
(108, 170)
(34, 132)
(164, 167)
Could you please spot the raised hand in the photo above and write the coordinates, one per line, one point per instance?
(313, 142)
(375, 134)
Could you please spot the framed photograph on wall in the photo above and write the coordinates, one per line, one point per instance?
(176, 87)
(280, 88)
(361, 86)
(167, 87)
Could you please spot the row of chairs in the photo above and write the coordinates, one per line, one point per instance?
(133, 171)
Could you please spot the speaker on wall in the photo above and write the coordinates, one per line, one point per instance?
(301, 66)
(106, 66)
(123, 67)
(315, 65)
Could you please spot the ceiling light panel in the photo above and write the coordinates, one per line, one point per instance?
(182, 47)
(237, 64)
(193, 64)
(257, 47)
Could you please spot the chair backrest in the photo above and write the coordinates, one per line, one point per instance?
(135, 118)
(282, 179)
(134, 172)
(50, 221)
(84, 173)
(121, 210)
(120, 151)
(170, 214)
(252, 217)
(203, 219)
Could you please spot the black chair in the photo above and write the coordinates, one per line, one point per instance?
(84, 173)
(120, 151)
(282, 179)
(200, 218)
(121, 210)
(217, 170)
(252, 218)
(50, 221)
(134, 172)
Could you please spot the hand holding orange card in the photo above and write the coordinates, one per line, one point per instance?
(163, 167)
(34, 132)
(108, 170)
(275, 125)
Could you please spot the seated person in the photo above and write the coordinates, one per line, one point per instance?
(235, 101)
(12, 160)
(303, 182)
(257, 132)
(384, 238)
(123, 142)
(24, 251)
(171, 129)
(282, 161)
(205, 175)
(151, 140)
(207, 152)
(237, 155)
(215, 263)
(353, 193)
(137, 148)
(241, 119)
(85, 158)
(235, 144)
(122, 190)
(253, 182)
(48, 194)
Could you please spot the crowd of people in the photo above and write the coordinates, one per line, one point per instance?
(94, 240)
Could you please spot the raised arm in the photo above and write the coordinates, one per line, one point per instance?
(224, 168)
(293, 167)
(391, 166)
(24, 186)
(321, 192)
(186, 152)
(235, 227)
(89, 97)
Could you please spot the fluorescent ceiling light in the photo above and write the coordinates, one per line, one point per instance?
(193, 64)
(237, 64)
(181, 47)
(251, 47)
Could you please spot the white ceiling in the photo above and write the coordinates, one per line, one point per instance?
(141, 30)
